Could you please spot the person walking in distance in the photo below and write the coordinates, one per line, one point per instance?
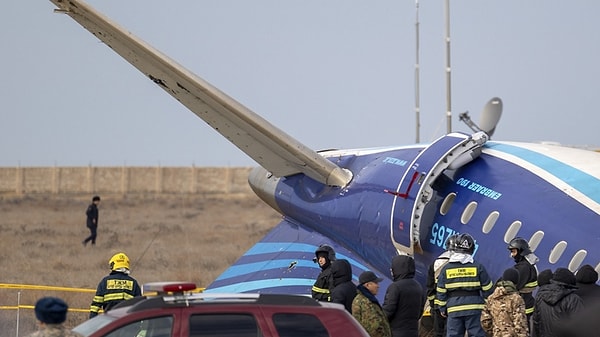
(321, 289)
(92, 220)
(366, 308)
(525, 262)
(116, 287)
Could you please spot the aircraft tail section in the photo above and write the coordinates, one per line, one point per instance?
(273, 149)
(282, 262)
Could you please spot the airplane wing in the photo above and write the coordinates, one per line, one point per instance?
(273, 149)
(282, 262)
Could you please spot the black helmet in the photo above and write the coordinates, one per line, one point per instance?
(465, 244)
(327, 250)
(521, 245)
(451, 242)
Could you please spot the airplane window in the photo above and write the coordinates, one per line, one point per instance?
(512, 231)
(490, 221)
(467, 214)
(535, 240)
(447, 204)
(577, 260)
(557, 251)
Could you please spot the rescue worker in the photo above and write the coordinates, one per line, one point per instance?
(525, 264)
(321, 289)
(463, 286)
(438, 321)
(116, 287)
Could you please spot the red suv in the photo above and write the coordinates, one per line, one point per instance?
(175, 312)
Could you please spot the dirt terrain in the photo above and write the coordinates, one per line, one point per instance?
(167, 238)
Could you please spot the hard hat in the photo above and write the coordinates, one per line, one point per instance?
(118, 261)
(521, 245)
(465, 244)
(326, 250)
(451, 242)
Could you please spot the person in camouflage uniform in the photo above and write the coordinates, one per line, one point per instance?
(504, 311)
(366, 309)
(51, 312)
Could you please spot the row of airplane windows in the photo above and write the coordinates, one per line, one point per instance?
(555, 253)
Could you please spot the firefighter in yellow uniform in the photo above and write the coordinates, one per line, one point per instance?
(462, 287)
(116, 287)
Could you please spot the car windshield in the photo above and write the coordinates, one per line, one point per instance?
(88, 327)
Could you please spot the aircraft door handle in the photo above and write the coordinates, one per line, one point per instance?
(410, 184)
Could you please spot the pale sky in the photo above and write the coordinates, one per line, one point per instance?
(332, 74)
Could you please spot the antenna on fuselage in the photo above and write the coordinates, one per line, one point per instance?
(448, 80)
(490, 116)
(417, 72)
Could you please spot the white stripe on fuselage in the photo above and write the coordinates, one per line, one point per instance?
(584, 165)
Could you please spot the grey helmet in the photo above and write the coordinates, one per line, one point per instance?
(522, 247)
(325, 249)
(451, 242)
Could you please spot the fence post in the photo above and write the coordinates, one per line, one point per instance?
(124, 179)
(193, 187)
(18, 312)
(90, 179)
(55, 179)
(19, 180)
(158, 180)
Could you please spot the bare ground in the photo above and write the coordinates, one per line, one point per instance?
(167, 238)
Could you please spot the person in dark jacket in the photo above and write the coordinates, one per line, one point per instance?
(525, 262)
(584, 324)
(588, 290)
(343, 291)
(404, 298)
(115, 288)
(544, 277)
(555, 303)
(92, 220)
(321, 289)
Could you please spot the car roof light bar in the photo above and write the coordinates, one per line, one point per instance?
(168, 287)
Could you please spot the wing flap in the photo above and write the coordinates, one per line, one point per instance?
(269, 146)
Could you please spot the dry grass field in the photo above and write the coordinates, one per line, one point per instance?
(167, 238)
